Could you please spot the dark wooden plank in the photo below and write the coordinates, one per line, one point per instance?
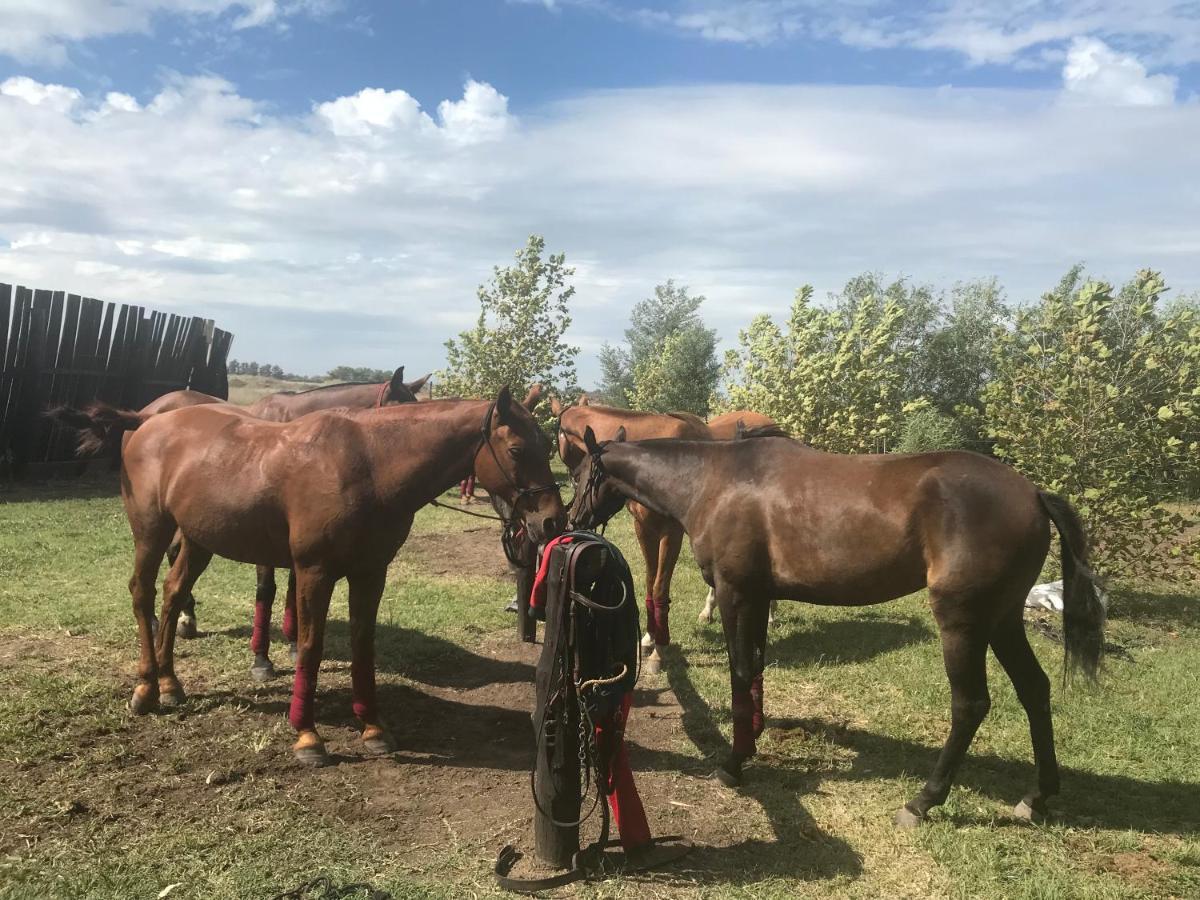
(19, 337)
(46, 378)
(66, 378)
(27, 429)
(5, 379)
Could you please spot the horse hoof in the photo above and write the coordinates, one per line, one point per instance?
(187, 628)
(907, 819)
(312, 756)
(143, 701)
(379, 746)
(262, 671)
(1026, 812)
(647, 644)
(727, 778)
(172, 698)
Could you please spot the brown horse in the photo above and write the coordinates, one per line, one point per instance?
(281, 406)
(660, 537)
(769, 517)
(332, 495)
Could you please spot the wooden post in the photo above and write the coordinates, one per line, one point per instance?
(556, 776)
(526, 623)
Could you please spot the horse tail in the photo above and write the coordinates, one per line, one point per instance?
(100, 425)
(1083, 609)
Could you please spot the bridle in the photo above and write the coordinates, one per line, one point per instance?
(485, 440)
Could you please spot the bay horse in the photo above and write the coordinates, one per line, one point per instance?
(769, 517)
(659, 537)
(281, 406)
(332, 495)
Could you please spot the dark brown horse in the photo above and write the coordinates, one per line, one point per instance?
(331, 495)
(769, 517)
(660, 537)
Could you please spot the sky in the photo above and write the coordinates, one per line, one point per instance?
(332, 179)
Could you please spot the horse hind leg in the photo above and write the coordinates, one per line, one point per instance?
(964, 650)
(262, 669)
(150, 544)
(187, 628)
(710, 605)
(189, 564)
(1011, 646)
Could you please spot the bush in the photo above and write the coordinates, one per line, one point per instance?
(927, 429)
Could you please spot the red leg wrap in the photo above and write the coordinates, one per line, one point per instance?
(289, 620)
(627, 808)
(260, 640)
(756, 694)
(662, 616)
(363, 681)
(743, 727)
(304, 689)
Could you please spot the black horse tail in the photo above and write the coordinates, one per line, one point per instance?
(100, 425)
(1083, 610)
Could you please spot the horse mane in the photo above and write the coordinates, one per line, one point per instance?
(688, 417)
(330, 387)
(762, 431)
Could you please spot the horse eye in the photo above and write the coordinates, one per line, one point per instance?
(515, 452)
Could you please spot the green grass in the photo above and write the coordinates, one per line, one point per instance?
(96, 803)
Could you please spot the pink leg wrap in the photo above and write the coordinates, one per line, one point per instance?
(662, 613)
(260, 640)
(304, 689)
(756, 694)
(651, 619)
(743, 727)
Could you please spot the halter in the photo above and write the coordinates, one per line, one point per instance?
(591, 490)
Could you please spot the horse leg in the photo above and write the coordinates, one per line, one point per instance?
(669, 544)
(190, 562)
(1011, 647)
(148, 555)
(365, 591)
(289, 616)
(314, 588)
(186, 628)
(647, 538)
(774, 609)
(710, 604)
(262, 670)
(744, 620)
(964, 650)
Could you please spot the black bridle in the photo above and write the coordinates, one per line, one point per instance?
(519, 493)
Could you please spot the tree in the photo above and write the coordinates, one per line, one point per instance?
(518, 338)
(670, 362)
(955, 362)
(834, 378)
(1097, 396)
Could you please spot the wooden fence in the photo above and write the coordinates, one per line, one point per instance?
(62, 348)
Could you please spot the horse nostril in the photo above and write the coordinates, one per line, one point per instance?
(551, 526)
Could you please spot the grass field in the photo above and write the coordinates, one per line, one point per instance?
(94, 803)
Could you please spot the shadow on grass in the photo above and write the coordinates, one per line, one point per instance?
(800, 849)
(1162, 610)
(853, 640)
(98, 481)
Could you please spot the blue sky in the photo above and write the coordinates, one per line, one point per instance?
(330, 180)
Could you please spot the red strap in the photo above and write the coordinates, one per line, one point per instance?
(537, 597)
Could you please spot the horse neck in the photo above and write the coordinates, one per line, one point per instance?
(417, 454)
(665, 476)
(356, 396)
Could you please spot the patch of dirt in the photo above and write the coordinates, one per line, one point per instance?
(1135, 866)
(475, 552)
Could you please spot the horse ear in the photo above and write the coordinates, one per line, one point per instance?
(415, 386)
(620, 438)
(739, 430)
(556, 406)
(589, 440)
(584, 401)
(504, 402)
(397, 382)
(533, 398)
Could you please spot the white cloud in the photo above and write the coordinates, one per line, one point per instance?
(1096, 73)
(359, 232)
(55, 97)
(41, 30)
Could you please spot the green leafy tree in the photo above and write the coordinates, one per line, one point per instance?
(670, 361)
(518, 339)
(834, 378)
(1096, 396)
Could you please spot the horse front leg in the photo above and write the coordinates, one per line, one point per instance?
(365, 592)
(744, 620)
(648, 541)
(313, 590)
